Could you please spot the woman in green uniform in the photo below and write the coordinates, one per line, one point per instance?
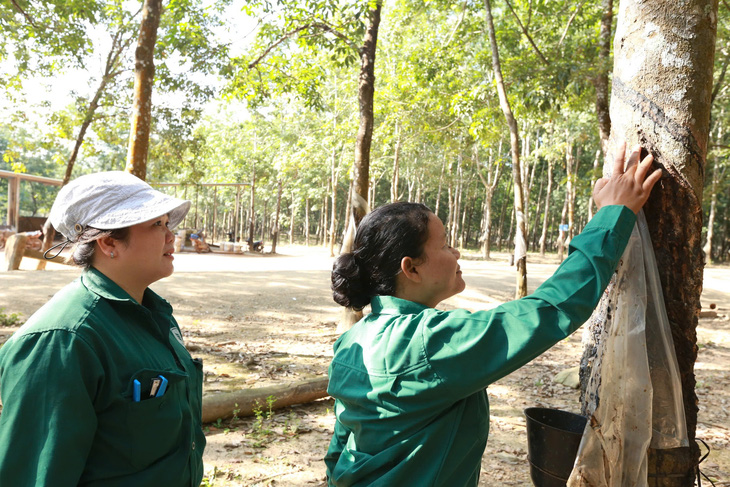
(409, 380)
(97, 387)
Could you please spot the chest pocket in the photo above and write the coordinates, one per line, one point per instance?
(157, 426)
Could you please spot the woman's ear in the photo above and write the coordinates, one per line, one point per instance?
(107, 245)
(409, 269)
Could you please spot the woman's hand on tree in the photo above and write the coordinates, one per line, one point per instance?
(630, 187)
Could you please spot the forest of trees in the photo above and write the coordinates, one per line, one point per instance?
(267, 95)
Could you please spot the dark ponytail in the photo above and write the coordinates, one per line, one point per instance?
(384, 237)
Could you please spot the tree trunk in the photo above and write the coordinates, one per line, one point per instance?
(716, 178)
(538, 207)
(594, 178)
(543, 237)
(570, 185)
(520, 233)
(252, 207)
(292, 219)
(322, 237)
(502, 213)
(275, 237)
(562, 232)
(600, 82)
(246, 402)
(333, 196)
(144, 77)
(361, 167)
(396, 158)
(237, 209)
(438, 192)
(707, 249)
(490, 183)
(661, 98)
(366, 93)
(306, 221)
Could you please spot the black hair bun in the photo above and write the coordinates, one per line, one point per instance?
(349, 287)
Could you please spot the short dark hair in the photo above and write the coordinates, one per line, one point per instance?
(384, 237)
(83, 253)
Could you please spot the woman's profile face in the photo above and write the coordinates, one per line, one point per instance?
(438, 266)
(148, 252)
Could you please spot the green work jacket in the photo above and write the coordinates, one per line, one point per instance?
(410, 381)
(66, 381)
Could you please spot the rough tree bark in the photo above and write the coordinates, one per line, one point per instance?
(520, 233)
(661, 98)
(144, 77)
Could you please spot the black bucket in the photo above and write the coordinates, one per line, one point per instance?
(553, 437)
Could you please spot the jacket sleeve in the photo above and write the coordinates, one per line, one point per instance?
(47, 384)
(469, 351)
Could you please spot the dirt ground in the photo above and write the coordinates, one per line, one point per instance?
(259, 320)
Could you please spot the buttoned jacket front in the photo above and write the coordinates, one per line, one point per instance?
(67, 379)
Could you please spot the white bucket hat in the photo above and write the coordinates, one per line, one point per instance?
(111, 200)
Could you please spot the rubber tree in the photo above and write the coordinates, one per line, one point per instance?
(361, 167)
(661, 98)
(520, 233)
(144, 76)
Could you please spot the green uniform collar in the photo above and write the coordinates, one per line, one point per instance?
(101, 285)
(390, 305)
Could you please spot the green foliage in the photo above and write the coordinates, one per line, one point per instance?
(12, 319)
(288, 79)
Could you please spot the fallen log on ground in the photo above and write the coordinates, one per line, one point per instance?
(245, 402)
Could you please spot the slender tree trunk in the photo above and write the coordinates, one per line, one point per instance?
(323, 226)
(252, 206)
(306, 221)
(438, 193)
(570, 185)
(292, 219)
(396, 160)
(661, 99)
(502, 213)
(707, 249)
(275, 237)
(361, 168)
(716, 177)
(214, 233)
(520, 234)
(543, 237)
(144, 77)
(538, 207)
(563, 233)
(490, 183)
(236, 211)
(600, 82)
(594, 178)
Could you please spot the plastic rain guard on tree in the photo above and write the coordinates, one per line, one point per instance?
(634, 391)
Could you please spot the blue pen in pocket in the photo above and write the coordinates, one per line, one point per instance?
(163, 386)
(136, 392)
